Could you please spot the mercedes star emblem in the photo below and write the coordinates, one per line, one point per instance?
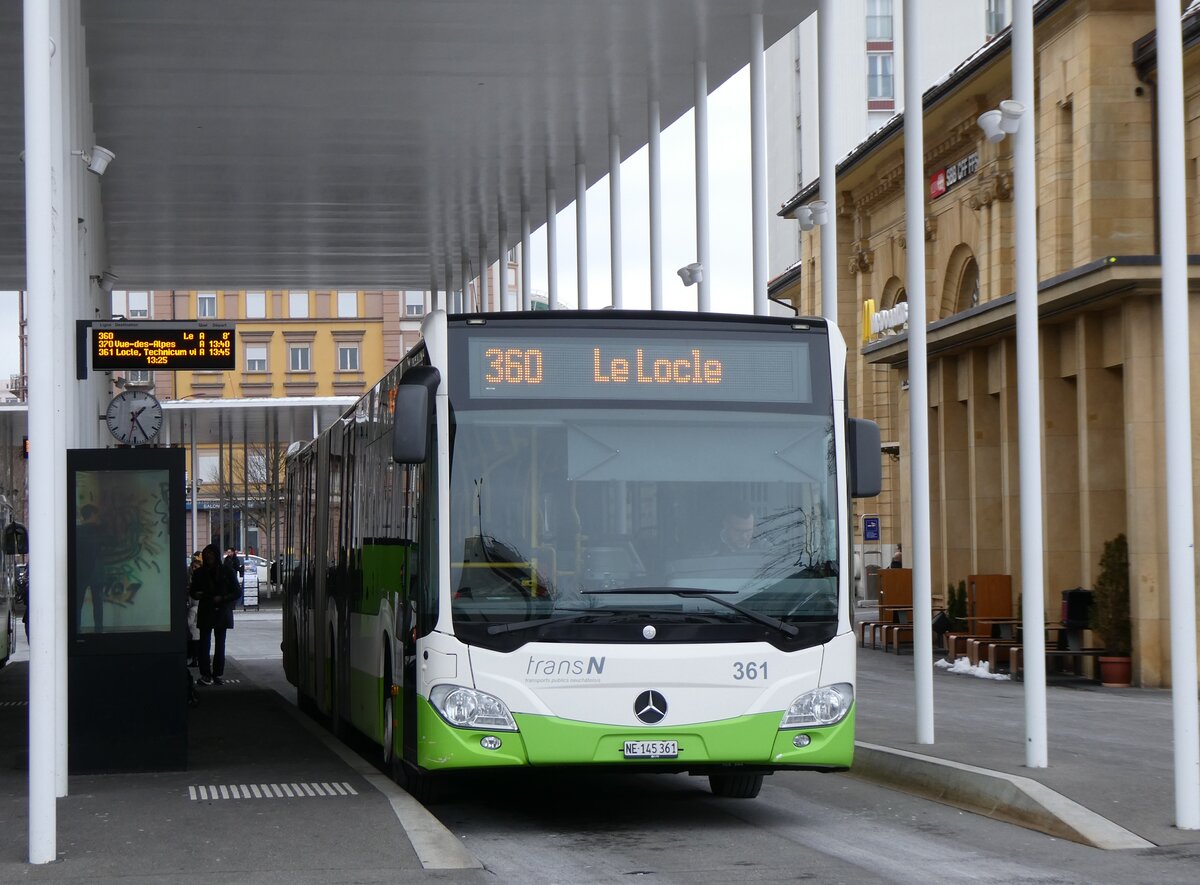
(650, 707)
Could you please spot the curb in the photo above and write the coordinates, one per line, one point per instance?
(435, 846)
(1007, 797)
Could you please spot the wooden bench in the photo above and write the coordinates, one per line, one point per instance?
(1016, 659)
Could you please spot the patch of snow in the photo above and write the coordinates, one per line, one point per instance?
(963, 665)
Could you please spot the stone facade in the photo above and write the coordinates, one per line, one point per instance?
(1101, 325)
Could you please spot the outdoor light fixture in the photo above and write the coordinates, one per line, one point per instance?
(105, 280)
(811, 215)
(997, 123)
(97, 161)
(692, 273)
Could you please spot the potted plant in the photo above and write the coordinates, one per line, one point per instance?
(1111, 610)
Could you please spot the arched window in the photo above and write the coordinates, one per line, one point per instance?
(960, 286)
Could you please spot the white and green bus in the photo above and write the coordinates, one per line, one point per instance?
(587, 539)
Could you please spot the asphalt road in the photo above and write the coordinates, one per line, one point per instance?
(555, 827)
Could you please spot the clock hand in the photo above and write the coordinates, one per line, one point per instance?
(138, 423)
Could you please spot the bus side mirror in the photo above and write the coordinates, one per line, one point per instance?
(866, 462)
(412, 414)
(16, 539)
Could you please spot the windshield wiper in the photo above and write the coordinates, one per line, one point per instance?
(710, 595)
(513, 627)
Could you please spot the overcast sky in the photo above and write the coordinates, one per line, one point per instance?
(729, 225)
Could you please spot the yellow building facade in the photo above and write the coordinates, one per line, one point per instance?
(1100, 318)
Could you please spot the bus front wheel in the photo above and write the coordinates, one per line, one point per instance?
(735, 786)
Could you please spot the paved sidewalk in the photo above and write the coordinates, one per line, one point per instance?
(1109, 750)
(267, 797)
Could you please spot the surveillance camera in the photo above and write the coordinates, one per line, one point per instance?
(819, 210)
(692, 273)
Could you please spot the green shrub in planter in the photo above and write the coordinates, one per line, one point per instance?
(1111, 598)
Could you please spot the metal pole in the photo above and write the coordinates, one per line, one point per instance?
(758, 165)
(1181, 566)
(654, 152)
(918, 375)
(196, 545)
(826, 148)
(703, 302)
(483, 272)
(506, 296)
(1029, 400)
(63, 306)
(526, 270)
(551, 240)
(581, 282)
(614, 214)
(39, 258)
(465, 264)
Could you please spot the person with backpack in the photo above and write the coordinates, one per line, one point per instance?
(216, 590)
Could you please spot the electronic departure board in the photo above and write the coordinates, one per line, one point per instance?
(655, 368)
(162, 346)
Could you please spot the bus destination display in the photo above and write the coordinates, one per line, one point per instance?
(162, 346)
(599, 367)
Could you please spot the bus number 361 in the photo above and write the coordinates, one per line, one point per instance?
(749, 670)
(514, 365)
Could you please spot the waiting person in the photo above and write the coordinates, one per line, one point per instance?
(215, 588)
(897, 558)
(737, 531)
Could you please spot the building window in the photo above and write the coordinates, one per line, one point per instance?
(879, 19)
(347, 304)
(879, 76)
(256, 305)
(256, 358)
(298, 304)
(347, 357)
(138, 376)
(139, 305)
(206, 305)
(207, 465)
(298, 358)
(997, 17)
(414, 303)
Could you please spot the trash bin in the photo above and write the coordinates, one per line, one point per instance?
(1076, 608)
(872, 575)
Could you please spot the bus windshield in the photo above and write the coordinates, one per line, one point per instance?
(566, 521)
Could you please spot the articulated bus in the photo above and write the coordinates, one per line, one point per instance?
(595, 538)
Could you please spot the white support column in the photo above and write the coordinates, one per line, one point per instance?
(826, 149)
(614, 214)
(758, 165)
(703, 289)
(465, 270)
(484, 292)
(1029, 396)
(526, 270)
(654, 152)
(1181, 566)
(65, 239)
(551, 240)
(918, 374)
(196, 545)
(39, 263)
(507, 301)
(581, 281)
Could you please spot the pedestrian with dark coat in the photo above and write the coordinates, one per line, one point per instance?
(216, 590)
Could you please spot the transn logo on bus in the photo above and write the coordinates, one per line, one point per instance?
(565, 667)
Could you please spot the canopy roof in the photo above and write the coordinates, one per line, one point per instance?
(313, 143)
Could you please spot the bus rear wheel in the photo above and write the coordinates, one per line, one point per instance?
(735, 786)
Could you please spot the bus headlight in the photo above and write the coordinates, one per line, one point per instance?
(827, 705)
(468, 708)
